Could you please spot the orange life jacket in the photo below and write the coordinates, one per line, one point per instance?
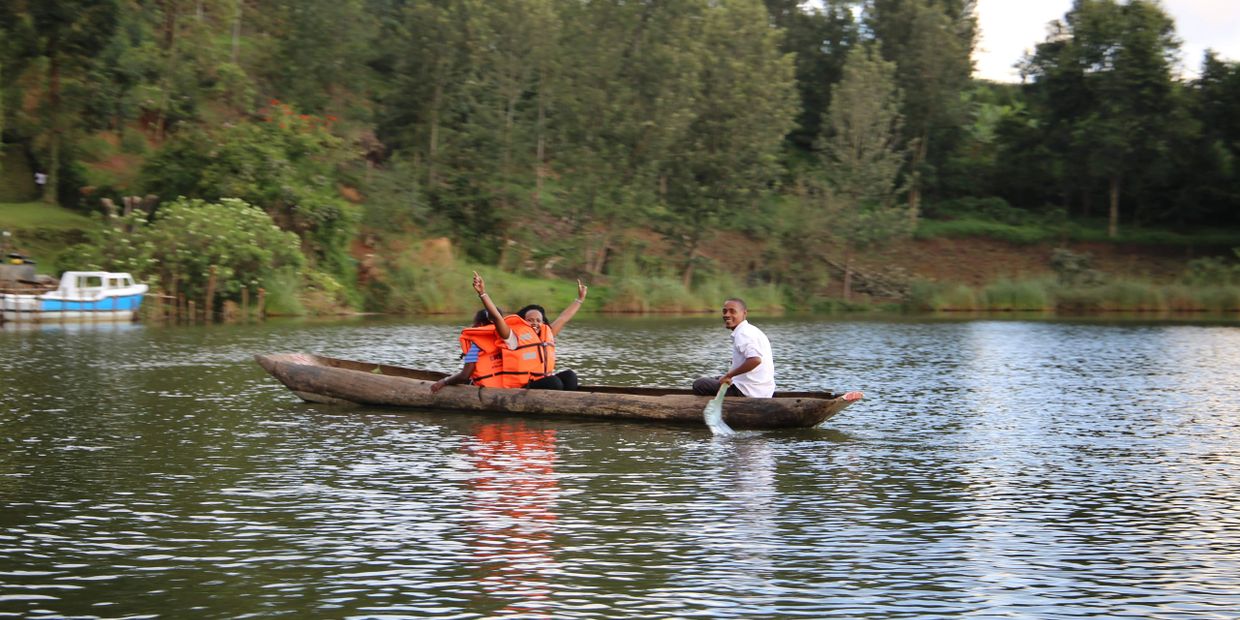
(534, 357)
(490, 365)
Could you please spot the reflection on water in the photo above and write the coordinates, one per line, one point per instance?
(1009, 469)
(513, 512)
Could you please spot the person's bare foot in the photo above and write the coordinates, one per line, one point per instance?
(851, 396)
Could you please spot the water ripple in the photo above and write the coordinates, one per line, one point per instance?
(997, 469)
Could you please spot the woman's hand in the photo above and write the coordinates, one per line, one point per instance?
(480, 287)
(438, 385)
(581, 291)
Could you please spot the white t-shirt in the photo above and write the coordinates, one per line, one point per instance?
(749, 341)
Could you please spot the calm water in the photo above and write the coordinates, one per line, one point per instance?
(997, 469)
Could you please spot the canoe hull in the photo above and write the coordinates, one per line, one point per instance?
(328, 380)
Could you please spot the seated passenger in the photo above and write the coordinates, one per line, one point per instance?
(481, 355)
(531, 362)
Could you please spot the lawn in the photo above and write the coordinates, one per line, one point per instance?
(41, 231)
(19, 216)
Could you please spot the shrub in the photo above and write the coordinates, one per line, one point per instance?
(187, 238)
(1213, 270)
(1074, 269)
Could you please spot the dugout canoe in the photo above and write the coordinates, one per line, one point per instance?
(319, 379)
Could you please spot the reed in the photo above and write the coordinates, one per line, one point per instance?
(282, 295)
(1007, 295)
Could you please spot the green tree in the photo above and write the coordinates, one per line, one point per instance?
(1103, 81)
(65, 38)
(820, 37)
(862, 160)
(287, 163)
(729, 154)
(623, 100)
(931, 42)
(1210, 168)
(319, 52)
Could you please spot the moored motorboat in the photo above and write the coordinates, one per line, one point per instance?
(80, 296)
(320, 379)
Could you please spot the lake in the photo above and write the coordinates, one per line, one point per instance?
(996, 469)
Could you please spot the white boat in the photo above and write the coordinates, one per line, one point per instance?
(80, 296)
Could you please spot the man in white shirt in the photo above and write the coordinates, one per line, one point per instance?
(753, 369)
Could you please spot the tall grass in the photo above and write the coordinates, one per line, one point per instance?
(282, 295)
(937, 296)
(1016, 295)
(638, 293)
(1125, 295)
(409, 287)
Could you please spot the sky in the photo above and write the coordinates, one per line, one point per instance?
(1009, 28)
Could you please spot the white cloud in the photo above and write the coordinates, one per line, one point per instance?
(1010, 28)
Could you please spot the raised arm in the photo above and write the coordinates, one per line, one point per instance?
(572, 309)
(501, 327)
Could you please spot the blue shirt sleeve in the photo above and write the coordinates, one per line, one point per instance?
(471, 356)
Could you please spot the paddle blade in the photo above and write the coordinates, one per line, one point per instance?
(714, 414)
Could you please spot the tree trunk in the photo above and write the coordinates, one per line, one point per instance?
(914, 189)
(541, 149)
(686, 277)
(165, 82)
(236, 32)
(53, 96)
(1, 120)
(53, 176)
(847, 273)
(432, 147)
(208, 302)
(1113, 218)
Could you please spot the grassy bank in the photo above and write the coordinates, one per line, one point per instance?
(1046, 295)
(42, 231)
(993, 218)
(445, 289)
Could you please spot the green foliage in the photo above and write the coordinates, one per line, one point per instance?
(186, 239)
(930, 44)
(133, 142)
(744, 106)
(859, 205)
(1213, 271)
(993, 209)
(287, 163)
(1074, 269)
(541, 132)
(1103, 85)
(395, 200)
(930, 229)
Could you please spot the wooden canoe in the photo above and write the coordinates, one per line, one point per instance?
(320, 379)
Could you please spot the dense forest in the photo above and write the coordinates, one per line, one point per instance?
(577, 136)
